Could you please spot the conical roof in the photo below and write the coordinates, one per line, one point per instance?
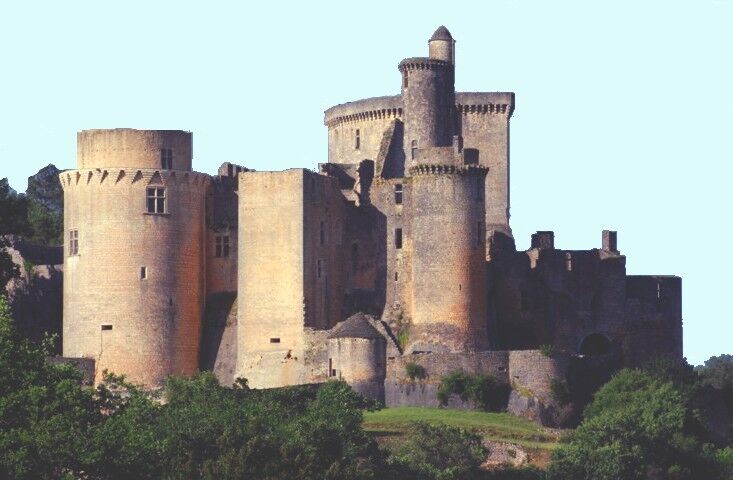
(441, 33)
(356, 326)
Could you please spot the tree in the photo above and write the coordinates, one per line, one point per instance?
(638, 426)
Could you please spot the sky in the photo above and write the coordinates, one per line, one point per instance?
(622, 121)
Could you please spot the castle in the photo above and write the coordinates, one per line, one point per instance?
(397, 250)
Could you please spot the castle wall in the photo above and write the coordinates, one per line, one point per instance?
(127, 148)
(146, 328)
(448, 265)
(219, 337)
(222, 232)
(361, 363)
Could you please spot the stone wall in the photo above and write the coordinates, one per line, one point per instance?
(127, 148)
(219, 337)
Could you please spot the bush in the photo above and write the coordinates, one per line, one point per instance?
(560, 391)
(548, 350)
(438, 452)
(415, 371)
(484, 391)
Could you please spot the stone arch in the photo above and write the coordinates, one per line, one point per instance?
(595, 344)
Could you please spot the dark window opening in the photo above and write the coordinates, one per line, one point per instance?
(569, 262)
(170, 301)
(398, 194)
(404, 80)
(319, 268)
(274, 340)
(322, 234)
(354, 257)
(222, 246)
(398, 238)
(479, 189)
(357, 143)
(395, 276)
(106, 327)
(143, 273)
(156, 200)
(166, 159)
(413, 149)
(479, 234)
(230, 170)
(73, 242)
(331, 371)
(595, 344)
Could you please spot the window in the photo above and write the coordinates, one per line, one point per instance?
(398, 194)
(413, 149)
(106, 327)
(222, 246)
(73, 242)
(357, 142)
(479, 234)
(398, 238)
(274, 340)
(479, 189)
(404, 80)
(166, 159)
(354, 257)
(322, 234)
(396, 276)
(569, 262)
(331, 371)
(143, 273)
(319, 268)
(156, 200)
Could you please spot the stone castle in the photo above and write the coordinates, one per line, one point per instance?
(398, 250)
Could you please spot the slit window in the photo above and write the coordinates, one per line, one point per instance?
(479, 233)
(404, 80)
(143, 273)
(396, 276)
(398, 194)
(156, 200)
(73, 242)
(398, 238)
(274, 340)
(319, 268)
(413, 149)
(569, 262)
(322, 234)
(222, 246)
(166, 159)
(357, 140)
(106, 327)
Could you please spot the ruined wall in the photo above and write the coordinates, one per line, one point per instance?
(127, 148)
(145, 325)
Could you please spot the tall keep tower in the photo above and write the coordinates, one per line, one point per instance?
(134, 264)
(448, 210)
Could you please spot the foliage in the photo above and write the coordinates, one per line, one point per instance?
(29, 217)
(560, 391)
(46, 225)
(548, 350)
(415, 371)
(13, 211)
(639, 425)
(485, 391)
(718, 372)
(438, 452)
(8, 268)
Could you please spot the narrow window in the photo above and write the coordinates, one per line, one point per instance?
(274, 340)
(330, 367)
(166, 158)
(395, 276)
(354, 257)
(143, 273)
(479, 234)
(398, 238)
(222, 246)
(319, 268)
(156, 200)
(357, 143)
(73, 242)
(398, 194)
(413, 149)
(322, 234)
(106, 327)
(404, 80)
(479, 189)
(569, 262)
(659, 290)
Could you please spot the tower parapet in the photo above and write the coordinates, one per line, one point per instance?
(129, 148)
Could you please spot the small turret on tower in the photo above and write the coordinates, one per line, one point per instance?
(442, 46)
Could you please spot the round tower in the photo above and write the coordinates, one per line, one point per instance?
(133, 265)
(441, 46)
(428, 95)
(357, 354)
(448, 259)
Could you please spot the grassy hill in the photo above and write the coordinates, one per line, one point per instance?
(390, 426)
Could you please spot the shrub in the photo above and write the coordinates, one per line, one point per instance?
(415, 371)
(483, 390)
(548, 350)
(560, 391)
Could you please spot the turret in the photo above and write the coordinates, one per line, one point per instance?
(428, 95)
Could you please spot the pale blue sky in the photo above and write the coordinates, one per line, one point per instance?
(623, 111)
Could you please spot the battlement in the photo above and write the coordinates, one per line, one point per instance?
(114, 177)
(423, 63)
(441, 169)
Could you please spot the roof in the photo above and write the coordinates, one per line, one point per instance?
(441, 33)
(356, 326)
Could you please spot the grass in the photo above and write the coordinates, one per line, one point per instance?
(390, 426)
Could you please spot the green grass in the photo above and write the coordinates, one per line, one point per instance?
(390, 425)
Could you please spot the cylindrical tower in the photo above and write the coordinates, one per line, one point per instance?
(428, 95)
(442, 46)
(134, 267)
(357, 354)
(448, 263)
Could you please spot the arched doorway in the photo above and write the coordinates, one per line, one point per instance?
(595, 344)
